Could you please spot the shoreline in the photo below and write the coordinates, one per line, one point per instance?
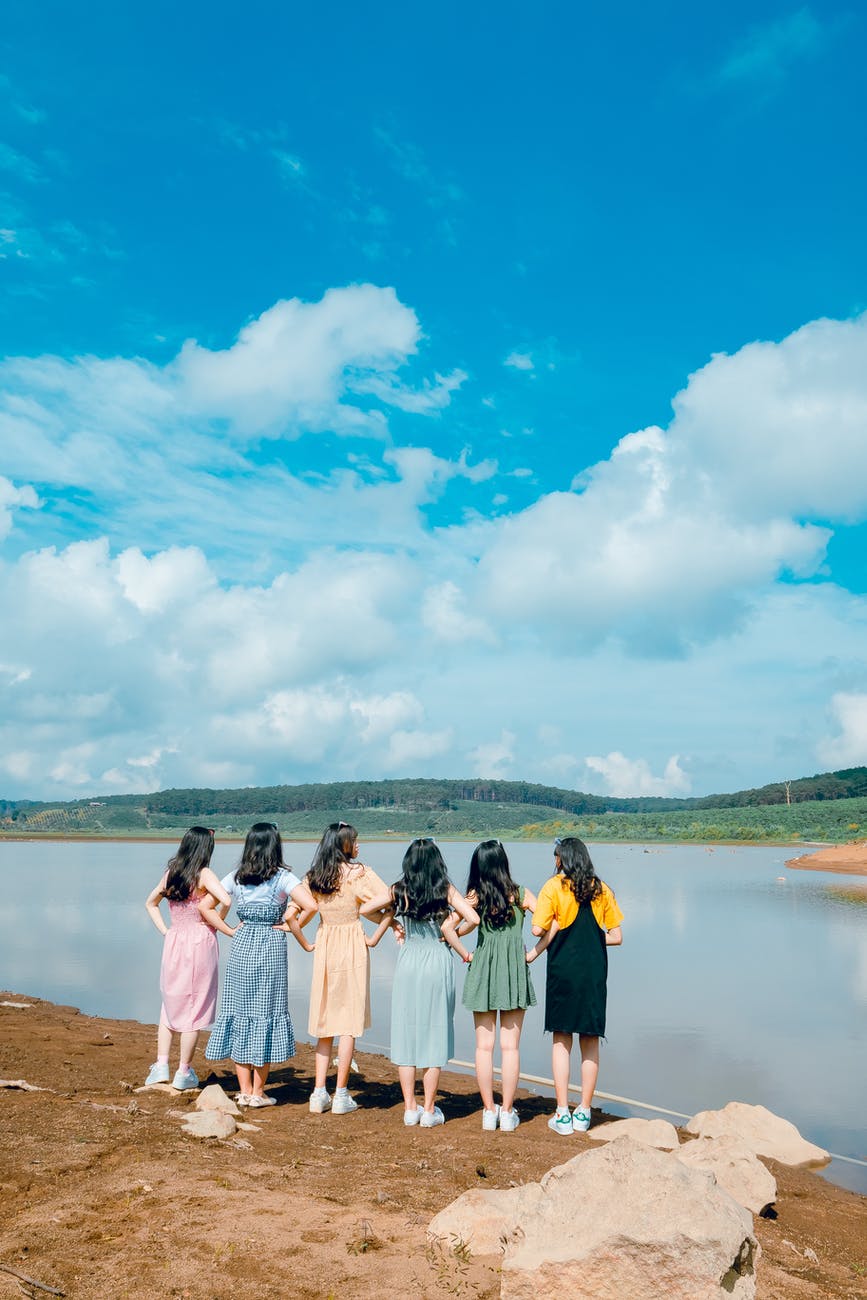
(844, 859)
(137, 1209)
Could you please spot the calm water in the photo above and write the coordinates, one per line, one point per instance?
(731, 985)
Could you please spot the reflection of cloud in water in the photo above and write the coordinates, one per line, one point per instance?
(678, 909)
(854, 940)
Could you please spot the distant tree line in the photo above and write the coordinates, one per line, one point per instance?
(424, 796)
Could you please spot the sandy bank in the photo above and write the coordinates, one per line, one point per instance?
(847, 859)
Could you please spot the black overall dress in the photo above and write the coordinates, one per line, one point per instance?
(576, 990)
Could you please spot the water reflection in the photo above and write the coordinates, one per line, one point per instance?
(730, 984)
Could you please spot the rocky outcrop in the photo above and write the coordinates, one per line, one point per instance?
(622, 1221)
(761, 1131)
(487, 1221)
(736, 1168)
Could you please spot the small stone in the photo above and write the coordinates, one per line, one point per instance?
(651, 1132)
(215, 1098)
(209, 1124)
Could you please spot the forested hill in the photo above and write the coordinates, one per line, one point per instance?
(424, 795)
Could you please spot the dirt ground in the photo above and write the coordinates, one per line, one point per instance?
(102, 1197)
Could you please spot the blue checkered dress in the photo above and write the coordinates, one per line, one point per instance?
(253, 1026)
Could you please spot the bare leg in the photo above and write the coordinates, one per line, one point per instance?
(406, 1074)
(560, 1056)
(589, 1068)
(486, 1028)
(345, 1048)
(323, 1060)
(164, 1039)
(189, 1038)
(245, 1078)
(260, 1078)
(431, 1080)
(511, 1023)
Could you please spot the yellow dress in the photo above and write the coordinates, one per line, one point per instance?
(340, 989)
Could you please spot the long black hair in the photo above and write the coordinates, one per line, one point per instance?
(422, 893)
(334, 851)
(579, 871)
(263, 855)
(183, 870)
(491, 881)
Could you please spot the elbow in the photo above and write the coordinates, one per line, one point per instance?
(536, 930)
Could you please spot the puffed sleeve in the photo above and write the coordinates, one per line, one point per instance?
(369, 885)
(611, 913)
(544, 913)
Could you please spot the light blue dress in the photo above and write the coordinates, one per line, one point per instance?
(423, 998)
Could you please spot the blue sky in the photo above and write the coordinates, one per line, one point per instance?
(460, 390)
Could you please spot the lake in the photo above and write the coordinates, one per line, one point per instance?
(738, 980)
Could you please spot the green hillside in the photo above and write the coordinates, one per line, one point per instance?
(829, 806)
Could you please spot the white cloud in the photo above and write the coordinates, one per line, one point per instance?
(519, 361)
(406, 749)
(849, 747)
(494, 759)
(244, 624)
(290, 369)
(627, 777)
(432, 396)
(769, 49)
(14, 498)
(662, 543)
(445, 614)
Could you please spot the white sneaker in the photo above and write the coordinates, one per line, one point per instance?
(186, 1079)
(561, 1123)
(412, 1117)
(490, 1118)
(430, 1119)
(580, 1119)
(320, 1101)
(343, 1105)
(509, 1120)
(255, 1103)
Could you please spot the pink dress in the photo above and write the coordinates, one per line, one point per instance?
(188, 974)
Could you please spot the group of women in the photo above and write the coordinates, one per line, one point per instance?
(575, 920)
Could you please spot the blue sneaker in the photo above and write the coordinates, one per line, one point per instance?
(580, 1120)
(561, 1123)
(158, 1074)
(185, 1079)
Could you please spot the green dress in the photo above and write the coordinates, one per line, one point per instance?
(498, 977)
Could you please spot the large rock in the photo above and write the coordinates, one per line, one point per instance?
(209, 1124)
(652, 1132)
(216, 1098)
(487, 1220)
(736, 1168)
(629, 1221)
(765, 1133)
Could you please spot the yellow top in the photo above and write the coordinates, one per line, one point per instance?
(556, 902)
